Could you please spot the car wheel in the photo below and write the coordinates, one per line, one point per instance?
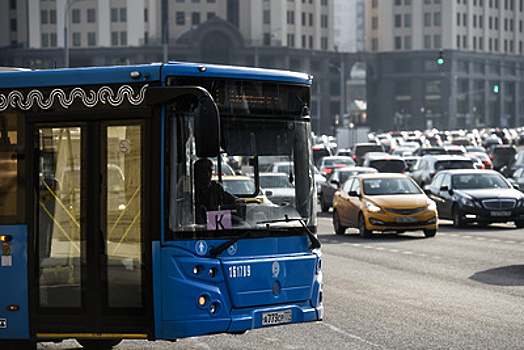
(458, 220)
(362, 230)
(430, 232)
(339, 229)
(323, 206)
(519, 223)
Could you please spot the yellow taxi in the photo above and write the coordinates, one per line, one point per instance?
(383, 202)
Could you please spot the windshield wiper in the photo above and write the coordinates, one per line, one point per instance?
(215, 251)
(315, 243)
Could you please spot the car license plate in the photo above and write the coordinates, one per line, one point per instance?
(500, 213)
(276, 317)
(406, 219)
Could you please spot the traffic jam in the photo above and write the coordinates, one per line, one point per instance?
(407, 181)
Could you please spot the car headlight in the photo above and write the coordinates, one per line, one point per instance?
(466, 202)
(372, 208)
(432, 206)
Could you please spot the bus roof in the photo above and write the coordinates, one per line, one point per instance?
(138, 73)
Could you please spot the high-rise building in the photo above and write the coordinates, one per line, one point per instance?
(481, 46)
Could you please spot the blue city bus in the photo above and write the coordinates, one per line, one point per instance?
(101, 237)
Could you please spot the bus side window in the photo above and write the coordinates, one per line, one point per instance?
(9, 203)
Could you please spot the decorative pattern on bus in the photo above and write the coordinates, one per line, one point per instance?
(90, 98)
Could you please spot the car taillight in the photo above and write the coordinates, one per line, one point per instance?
(431, 175)
(491, 156)
(327, 170)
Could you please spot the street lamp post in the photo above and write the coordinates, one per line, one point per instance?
(342, 76)
(67, 6)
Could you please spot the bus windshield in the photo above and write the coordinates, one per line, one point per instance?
(255, 197)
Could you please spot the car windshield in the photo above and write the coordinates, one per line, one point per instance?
(455, 164)
(239, 185)
(275, 181)
(389, 186)
(338, 161)
(478, 181)
(388, 166)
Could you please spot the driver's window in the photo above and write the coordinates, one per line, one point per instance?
(347, 185)
(355, 186)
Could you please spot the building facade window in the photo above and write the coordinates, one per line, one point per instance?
(437, 44)
(291, 40)
(123, 38)
(290, 17)
(407, 42)
(398, 21)
(77, 40)
(75, 14)
(114, 15)
(374, 23)
(91, 16)
(398, 43)
(45, 40)
(374, 44)
(267, 17)
(53, 40)
(43, 17)
(427, 19)
(123, 14)
(436, 19)
(427, 41)
(114, 38)
(195, 18)
(180, 18)
(52, 16)
(407, 20)
(91, 39)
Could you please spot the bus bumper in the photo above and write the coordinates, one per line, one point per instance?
(240, 321)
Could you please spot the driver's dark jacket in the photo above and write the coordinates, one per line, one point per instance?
(209, 198)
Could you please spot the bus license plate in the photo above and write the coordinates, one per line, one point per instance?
(406, 219)
(500, 213)
(276, 317)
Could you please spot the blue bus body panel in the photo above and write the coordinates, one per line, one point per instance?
(78, 76)
(232, 72)
(244, 283)
(14, 292)
(148, 73)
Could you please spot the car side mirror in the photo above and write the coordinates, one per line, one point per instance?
(334, 182)
(353, 194)
(516, 186)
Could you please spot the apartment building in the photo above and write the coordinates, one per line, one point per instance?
(286, 34)
(481, 42)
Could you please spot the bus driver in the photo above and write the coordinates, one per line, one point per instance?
(210, 195)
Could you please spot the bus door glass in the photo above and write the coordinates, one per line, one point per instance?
(89, 231)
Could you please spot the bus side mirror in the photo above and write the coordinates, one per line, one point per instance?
(207, 121)
(207, 128)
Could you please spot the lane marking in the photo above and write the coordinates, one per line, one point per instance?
(347, 334)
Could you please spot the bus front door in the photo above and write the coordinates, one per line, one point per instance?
(89, 238)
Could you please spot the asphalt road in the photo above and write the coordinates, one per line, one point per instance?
(463, 289)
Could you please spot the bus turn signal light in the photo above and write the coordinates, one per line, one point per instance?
(13, 308)
(6, 238)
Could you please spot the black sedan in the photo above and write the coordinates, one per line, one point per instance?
(481, 196)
